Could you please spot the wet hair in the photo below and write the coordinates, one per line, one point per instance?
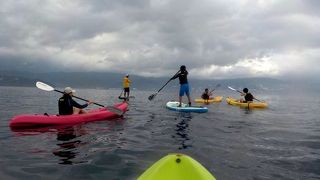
(245, 90)
(206, 89)
(182, 68)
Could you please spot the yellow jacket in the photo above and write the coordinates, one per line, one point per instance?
(126, 82)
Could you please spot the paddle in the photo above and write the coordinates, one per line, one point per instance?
(46, 87)
(242, 93)
(218, 85)
(151, 97)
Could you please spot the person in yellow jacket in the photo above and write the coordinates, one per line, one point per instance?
(126, 86)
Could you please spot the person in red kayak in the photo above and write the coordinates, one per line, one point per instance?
(68, 106)
(184, 86)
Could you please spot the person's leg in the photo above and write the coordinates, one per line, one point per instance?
(82, 111)
(181, 93)
(76, 110)
(125, 93)
(189, 99)
(128, 94)
(79, 111)
(188, 94)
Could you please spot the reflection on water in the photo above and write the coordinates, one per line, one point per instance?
(68, 149)
(182, 130)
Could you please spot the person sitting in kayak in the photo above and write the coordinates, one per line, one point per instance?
(184, 86)
(248, 97)
(68, 106)
(206, 95)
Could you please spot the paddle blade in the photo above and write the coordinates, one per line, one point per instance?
(151, 97)
(44, 86)
(231, 88)
(115, 110)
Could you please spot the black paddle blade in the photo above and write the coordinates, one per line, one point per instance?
(151, 97)
(123, 98)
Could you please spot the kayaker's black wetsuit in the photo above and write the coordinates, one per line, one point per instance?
(66, 104)
(248, 97)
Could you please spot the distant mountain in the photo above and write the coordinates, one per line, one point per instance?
(105, 80)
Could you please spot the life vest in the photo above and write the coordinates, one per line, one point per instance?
(65, 106)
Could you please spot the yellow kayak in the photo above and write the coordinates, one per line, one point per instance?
(176, 167)
(235, 102)
(215, 99)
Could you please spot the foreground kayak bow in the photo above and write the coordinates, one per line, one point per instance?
(177, 167)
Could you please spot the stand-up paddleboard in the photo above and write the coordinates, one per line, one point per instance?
(213, 100)
(176, 167)
(173, 105)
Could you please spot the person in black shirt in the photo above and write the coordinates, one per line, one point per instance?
(248, 97)
(206, 95)
(68, 106)
(184, 86)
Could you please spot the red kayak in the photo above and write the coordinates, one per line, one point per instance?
(32, 120)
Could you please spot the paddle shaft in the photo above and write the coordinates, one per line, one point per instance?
(81, 98)
(215, 88)
(167, 82)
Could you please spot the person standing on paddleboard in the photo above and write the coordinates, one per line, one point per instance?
(184, 86)
(126, 86)
(68, 106)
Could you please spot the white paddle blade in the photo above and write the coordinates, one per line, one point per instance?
(231, 88)
(44, 86)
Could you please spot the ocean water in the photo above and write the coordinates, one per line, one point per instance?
(281, 142)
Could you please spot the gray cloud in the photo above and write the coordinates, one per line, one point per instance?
(235, 38)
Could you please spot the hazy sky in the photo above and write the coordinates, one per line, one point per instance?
(213, 38)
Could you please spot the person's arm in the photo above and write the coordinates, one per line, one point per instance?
(77, 105)
(176, 76)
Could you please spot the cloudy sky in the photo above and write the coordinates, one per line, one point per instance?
(213, 38)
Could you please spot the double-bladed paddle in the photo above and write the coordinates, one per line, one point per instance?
(46, 87)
